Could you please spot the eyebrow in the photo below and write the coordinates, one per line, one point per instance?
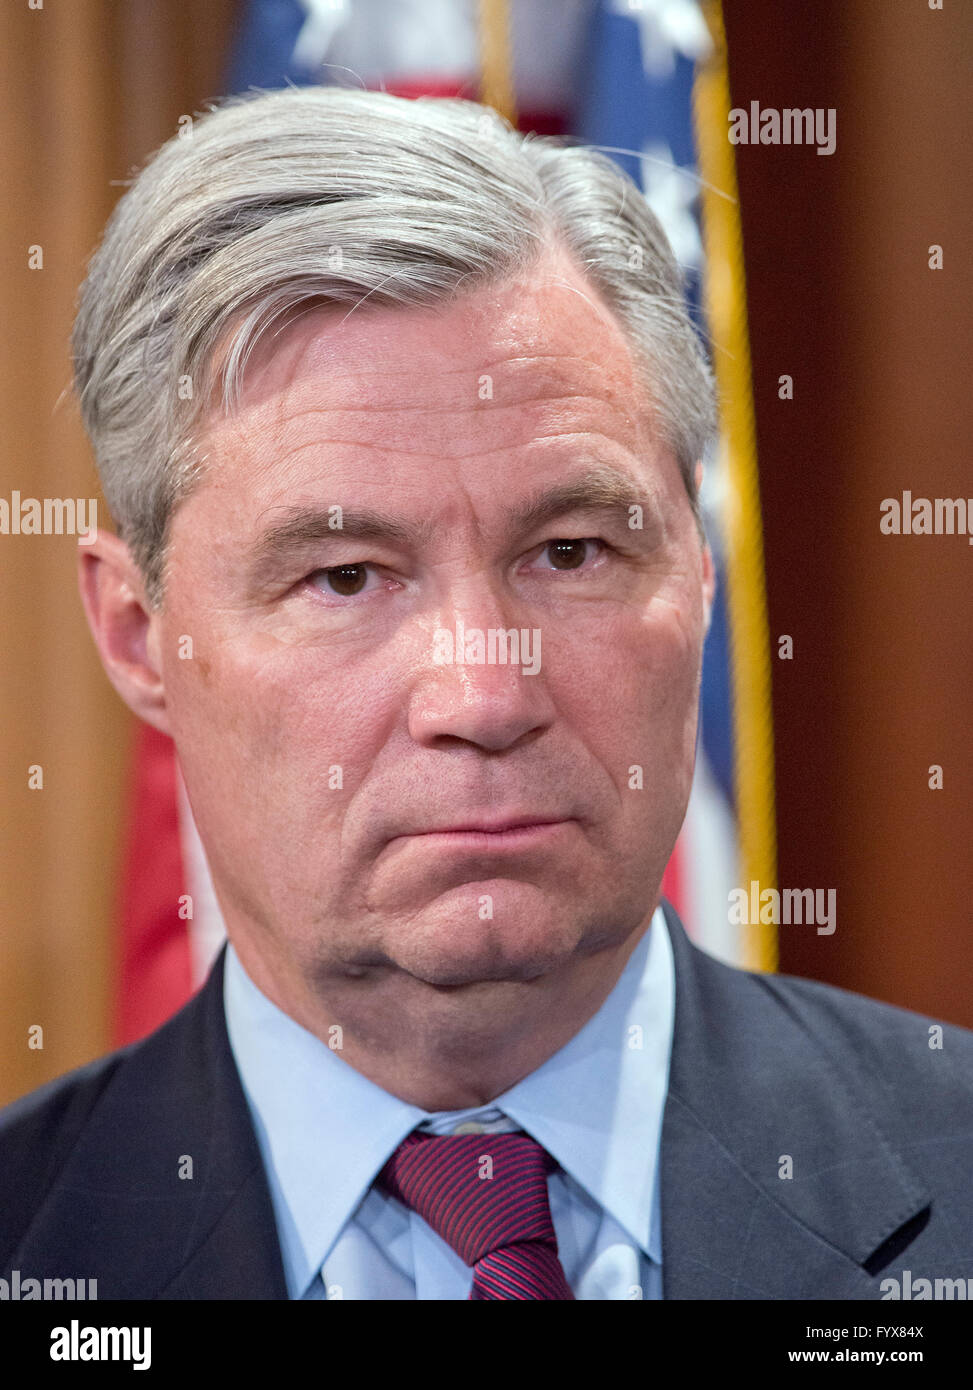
(600, 489)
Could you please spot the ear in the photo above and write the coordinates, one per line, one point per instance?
(709, 569)
(123, 625)
(709, 586)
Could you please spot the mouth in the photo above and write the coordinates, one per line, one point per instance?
(514, 833)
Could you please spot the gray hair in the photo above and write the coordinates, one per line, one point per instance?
(275, 200)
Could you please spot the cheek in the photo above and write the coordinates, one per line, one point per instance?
(629, 678)
(253, 715)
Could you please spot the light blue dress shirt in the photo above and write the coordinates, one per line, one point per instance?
(325, 1131)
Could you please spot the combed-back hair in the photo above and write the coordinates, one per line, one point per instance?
(275, 201)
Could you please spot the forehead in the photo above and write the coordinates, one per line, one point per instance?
(464, 419)
(540, 337)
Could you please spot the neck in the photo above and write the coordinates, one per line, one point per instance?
(435, 1047)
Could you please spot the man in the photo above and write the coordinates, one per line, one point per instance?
(399, 416)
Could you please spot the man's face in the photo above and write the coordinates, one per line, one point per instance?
(364, 801)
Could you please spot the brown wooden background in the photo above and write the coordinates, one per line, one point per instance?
(840, 297)
(89, 89)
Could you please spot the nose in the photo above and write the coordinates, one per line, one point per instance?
(474, 684)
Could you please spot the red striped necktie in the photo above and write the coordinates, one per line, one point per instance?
(486, 1196)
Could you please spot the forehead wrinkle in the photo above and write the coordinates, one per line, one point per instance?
(598, 482)
(396, 409)
(269, 453)
(519, 383)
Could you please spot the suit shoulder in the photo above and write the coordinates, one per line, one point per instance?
(900, 1049)
(829, 1051)
(57, 1102)
(40, 1131)
(855, 1011)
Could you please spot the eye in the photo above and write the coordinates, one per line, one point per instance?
(570, 553)
(344, 581)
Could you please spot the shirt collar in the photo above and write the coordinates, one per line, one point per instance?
(597, 1104)
(325, 1131)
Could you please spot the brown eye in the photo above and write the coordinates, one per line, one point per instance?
(567, 555)
(347, 579)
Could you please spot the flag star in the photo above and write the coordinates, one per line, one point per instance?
(666, 27)
(671, 192)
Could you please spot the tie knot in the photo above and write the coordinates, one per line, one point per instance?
(478, 1191)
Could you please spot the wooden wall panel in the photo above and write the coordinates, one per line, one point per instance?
(90, 88)
(841, 297)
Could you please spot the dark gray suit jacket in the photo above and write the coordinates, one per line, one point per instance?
(877, 1124)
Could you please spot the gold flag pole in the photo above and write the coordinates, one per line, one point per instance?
(496, 65)
(726, 314)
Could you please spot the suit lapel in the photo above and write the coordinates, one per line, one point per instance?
(750, 1088)
(164, 1194)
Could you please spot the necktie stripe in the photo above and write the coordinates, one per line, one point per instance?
(466, 1211)
(517, 1272)
(503, 1281)
(500, 1225)
(525, 1201)
(534, 1224)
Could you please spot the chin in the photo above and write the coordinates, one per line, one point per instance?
(455, 941)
